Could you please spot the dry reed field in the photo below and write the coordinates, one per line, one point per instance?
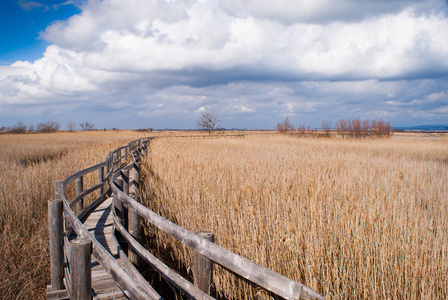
(29, 165)
(350, 218)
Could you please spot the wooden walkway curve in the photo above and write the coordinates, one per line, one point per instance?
(100, 224)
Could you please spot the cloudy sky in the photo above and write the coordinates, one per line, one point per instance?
(162, 63)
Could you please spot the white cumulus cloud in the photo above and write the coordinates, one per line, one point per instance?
(153, 49)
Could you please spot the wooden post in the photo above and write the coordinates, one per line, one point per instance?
(58, 192)
(100, 179)
(125, 176)
(203, 266)
(119, 207)
(118, 156)
(110, 162)
(125, 190)
(134, 230)
(145, 148)
(80, 268)
(136, 175)
(56, 244)
(79, 189)
(139, 151)
(106, 173)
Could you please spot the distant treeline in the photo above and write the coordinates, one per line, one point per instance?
(352, 128)
(358, 128)
(50, 126)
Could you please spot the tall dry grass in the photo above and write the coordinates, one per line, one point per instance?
(352, 219)
(29, 165)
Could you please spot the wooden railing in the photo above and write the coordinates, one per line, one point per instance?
(121, 182)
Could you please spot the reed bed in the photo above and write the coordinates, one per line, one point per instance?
(29, 166)
(352, 219)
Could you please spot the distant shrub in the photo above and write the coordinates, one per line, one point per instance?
(326, 128)
(358, 128)
(71, 126)
(19, 128)
(285, 126)
(50, 126)
(87, 126)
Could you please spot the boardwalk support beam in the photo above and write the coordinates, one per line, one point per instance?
(136, 176)
(100, 178)
(125, 177)
(203, 266)
(79, 189)
(119, 207)
(80, 269)
(134, 230)
(56, 243)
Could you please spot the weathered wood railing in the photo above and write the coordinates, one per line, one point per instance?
(121, 182)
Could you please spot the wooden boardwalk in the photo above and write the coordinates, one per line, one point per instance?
(100, 224)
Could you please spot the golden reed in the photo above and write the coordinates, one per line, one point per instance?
(350, 218)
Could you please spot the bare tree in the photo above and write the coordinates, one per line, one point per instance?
(50, 126)
(383, 128)
(285, 126)
(71, 126)
(87, 126)
(209, 122)
(357, 128)
(19, 128)
(326, 128)
(365, 127)
(342, 127)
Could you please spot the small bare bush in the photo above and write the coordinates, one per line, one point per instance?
(357, 128)
(50, 126)
(285, 127)
(71, 126)
(326, 128)
(19, 128)
(87, 126)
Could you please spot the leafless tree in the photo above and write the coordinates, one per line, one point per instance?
(71, 126)
(50, 126)
(358, 128)
(87, 126)
(19, 128)
(326, 128)
(209, 122)
(365, 127)
(285, 126)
